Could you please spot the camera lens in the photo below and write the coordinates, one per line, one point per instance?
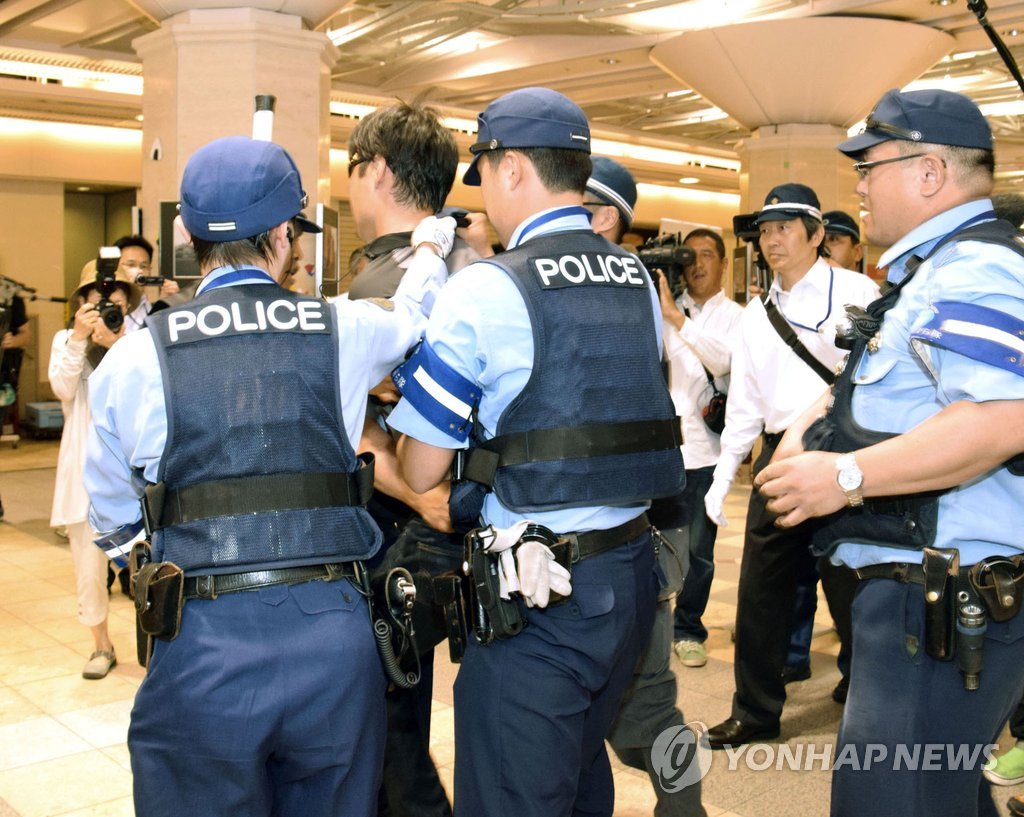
(113, 317)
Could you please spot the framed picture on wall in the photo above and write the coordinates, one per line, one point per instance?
(328, 252)
(177, 260)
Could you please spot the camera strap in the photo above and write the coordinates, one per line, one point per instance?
(707, 372)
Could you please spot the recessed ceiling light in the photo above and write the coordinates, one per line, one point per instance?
(610, 61)
(83, 189)
(139, 117)
(942, 2)
(689, 180)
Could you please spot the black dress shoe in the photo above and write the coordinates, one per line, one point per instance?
(801, 672)
(735, 733)
(841, 691)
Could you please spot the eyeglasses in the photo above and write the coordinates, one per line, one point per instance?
(145, 266)
(355, 160)
(863, 168)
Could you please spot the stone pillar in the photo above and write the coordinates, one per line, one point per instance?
(202, 70)
(775, 154)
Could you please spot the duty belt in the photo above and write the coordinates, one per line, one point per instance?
(899, 571)
(591, 543)
(211, 586)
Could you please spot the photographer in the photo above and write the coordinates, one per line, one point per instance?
(698, 327)
(76, 351)
(136, 263)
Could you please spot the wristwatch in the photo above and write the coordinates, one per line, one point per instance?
(850, 479)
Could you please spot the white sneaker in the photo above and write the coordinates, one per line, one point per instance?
(691, 653)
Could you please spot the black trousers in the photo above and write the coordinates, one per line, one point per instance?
(773, 559)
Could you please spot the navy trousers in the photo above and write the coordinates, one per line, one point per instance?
(532, 712)
(904, 703)
(269, 702)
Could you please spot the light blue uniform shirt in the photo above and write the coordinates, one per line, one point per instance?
(480, 327)
(127, 395)
(900, 386)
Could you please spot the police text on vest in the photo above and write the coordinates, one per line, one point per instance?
(589, 268)
(248, 316)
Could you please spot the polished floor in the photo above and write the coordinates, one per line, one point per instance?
(62, 738)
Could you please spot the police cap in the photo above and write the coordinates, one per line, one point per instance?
(785, 202)
(528, 118)
(237, 187)
(930, 116)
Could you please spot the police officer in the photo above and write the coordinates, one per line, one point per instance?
(842, 240)
(241, 411)
(526, 352)
(783, 358)
(402, 162)
(649, 705)
(924, 422)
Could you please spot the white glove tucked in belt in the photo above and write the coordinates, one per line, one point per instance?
(714, 499)
(532, 572)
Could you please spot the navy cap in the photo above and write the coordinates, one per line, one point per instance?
(836, 221)
(612, 184)
(237, 187)
(785, 202)
(931, 116)
(529, 118)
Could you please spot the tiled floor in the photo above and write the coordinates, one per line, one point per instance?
(62, 738)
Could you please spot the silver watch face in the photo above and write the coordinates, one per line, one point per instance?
(850, 478)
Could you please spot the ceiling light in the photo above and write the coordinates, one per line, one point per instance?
(610, 61)
(689, 180)
(83, 189)
(942, 2)
(74, 77)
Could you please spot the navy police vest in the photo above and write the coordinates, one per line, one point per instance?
(250, 378)
(908, 521)
(595, 362)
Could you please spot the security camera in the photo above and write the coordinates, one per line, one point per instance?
(156, 153)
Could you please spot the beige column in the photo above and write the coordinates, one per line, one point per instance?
(202, 70)
(797, 153)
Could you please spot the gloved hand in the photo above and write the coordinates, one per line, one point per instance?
(437, 231)
(539, 574)
(714, 499)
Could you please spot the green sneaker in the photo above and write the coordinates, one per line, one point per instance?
(1008, 768)
(691, 653)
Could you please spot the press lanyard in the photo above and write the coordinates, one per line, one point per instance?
(817, 326)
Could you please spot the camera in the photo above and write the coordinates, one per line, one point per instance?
(107, 262)
(149, 280)
(667, 255)
(755, 269)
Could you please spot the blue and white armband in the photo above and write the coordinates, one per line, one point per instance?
(446, 399)
(118, 543)
(976, 332)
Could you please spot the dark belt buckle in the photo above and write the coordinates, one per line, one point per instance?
(573, 542)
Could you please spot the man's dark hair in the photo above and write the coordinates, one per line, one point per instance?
(135, 241)
(244, 252)
(812, 225)
(559, 170)
(704, 232)
(418, 148)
